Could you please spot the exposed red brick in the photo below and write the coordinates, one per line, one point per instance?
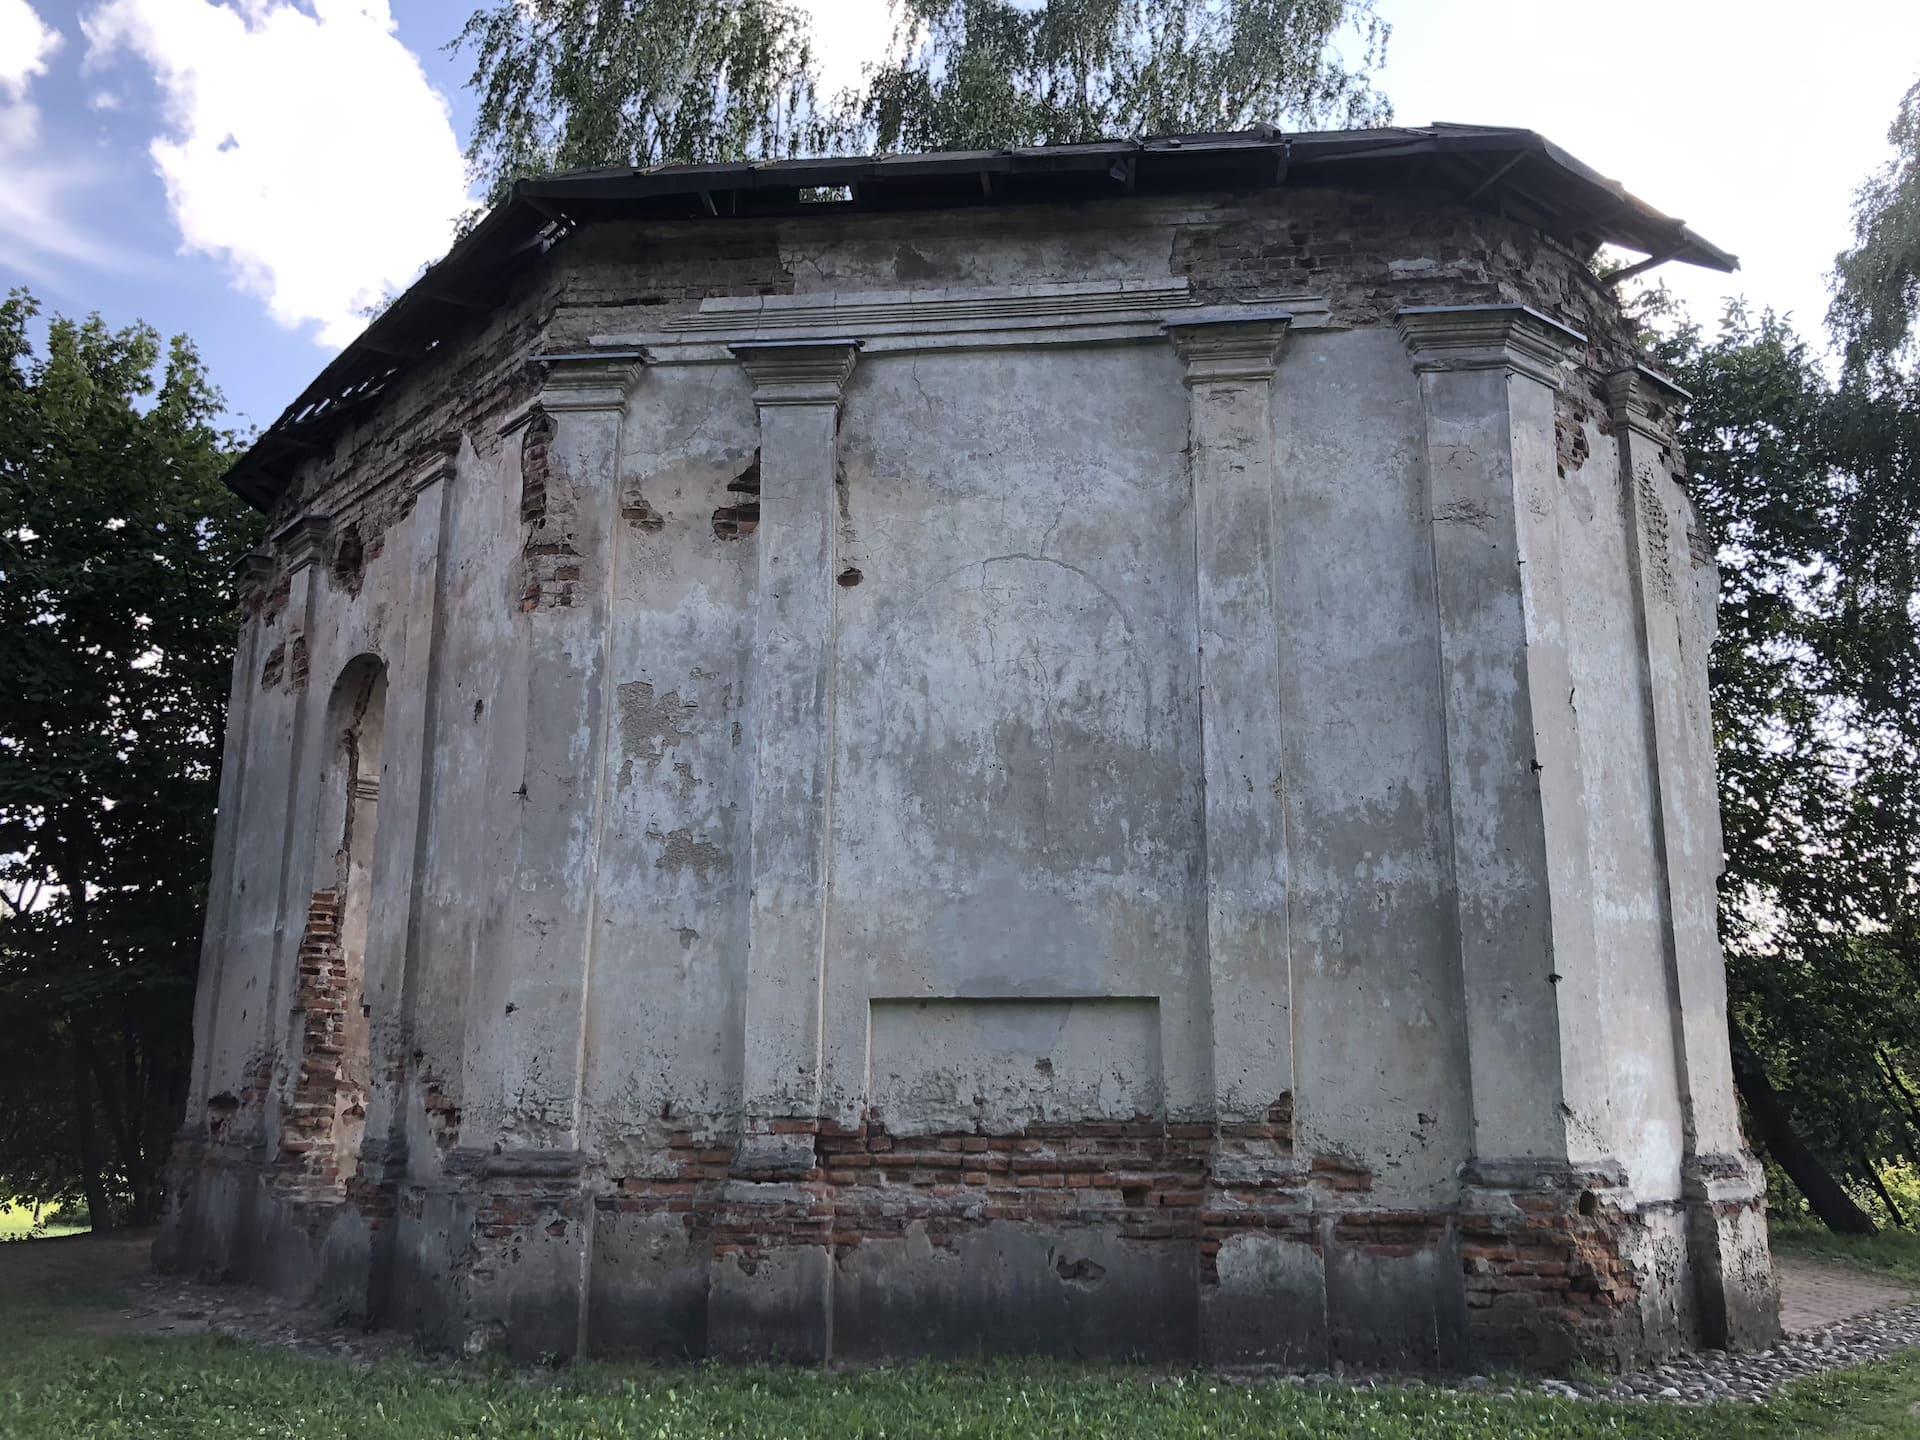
(309, 1166)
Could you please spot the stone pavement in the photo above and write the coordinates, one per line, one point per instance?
(1835, 1316)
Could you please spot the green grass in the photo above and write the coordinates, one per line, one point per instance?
(16, 1223)
(1894, 1254)
(61, 1386)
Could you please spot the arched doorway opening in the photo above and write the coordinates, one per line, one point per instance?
(327, 1117)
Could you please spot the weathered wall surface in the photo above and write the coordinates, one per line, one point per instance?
(1131, 780)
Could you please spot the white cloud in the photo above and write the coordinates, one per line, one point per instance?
(36, 236)
(26, 41)
(305, 146)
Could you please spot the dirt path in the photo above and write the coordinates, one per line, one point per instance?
(111, 1289)
(1817, 1293)
(77, 1267)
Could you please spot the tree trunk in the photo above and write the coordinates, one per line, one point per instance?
(99, 1212)
(123, 1126)
(1897, 1090)
(1880, 1189)
(1776, 1134)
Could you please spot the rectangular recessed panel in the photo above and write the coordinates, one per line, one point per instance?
(1000, 1065)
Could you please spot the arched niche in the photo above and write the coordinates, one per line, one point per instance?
(328, 1115)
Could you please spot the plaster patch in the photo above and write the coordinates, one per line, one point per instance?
(684, 851)
(651, 725)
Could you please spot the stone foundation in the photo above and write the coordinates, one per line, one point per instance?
(1136, 1240)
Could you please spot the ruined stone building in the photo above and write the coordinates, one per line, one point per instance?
(1099, 750)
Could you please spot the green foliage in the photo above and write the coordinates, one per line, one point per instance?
(565, 84)
(117, 643)
(575, 83)
(1877, 289)
(1813, 490)
(1809, 492)
(979, 74)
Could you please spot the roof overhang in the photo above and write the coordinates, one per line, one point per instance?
(1515, 173)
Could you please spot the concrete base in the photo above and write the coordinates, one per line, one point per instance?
(1737, 1293)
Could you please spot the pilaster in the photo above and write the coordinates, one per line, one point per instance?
(797, 390)
(405, 806)
(1488, 376)
(555, 865)
(521, 1087)
(251, 579)
(789, 1295)
(1230, 361)
(301, 545)
(1723, 1186)
(1268, 1300)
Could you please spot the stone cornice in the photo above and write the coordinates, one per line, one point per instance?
(1230, 343)
(303, 541)
(797, 372)
(1543, 1173)
(588, 379)
(1643, 400)
(1515, 338)
(917, 321)
(1721, 1179)
(252, 576)
(432, 469)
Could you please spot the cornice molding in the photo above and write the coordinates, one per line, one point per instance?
(599, 379)
(1722, 1179)
(1643, 400)
(798, 372)
(441, 465)
(951, 318)
(1515, 338)
(304, 540)
(1229, 343)
(252, 575)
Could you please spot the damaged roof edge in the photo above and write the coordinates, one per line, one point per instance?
(1509, 171)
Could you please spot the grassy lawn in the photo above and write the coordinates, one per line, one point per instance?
(16, 1223)
(57, 1383)
(53, 1386)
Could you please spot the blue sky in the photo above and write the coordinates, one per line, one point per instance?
(254, 171)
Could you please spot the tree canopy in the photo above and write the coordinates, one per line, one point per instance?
(1876, 303)
(979, 74)
(564, 84)
(1813, 685)
(1808, 477)
(570, 83)
(117, 643)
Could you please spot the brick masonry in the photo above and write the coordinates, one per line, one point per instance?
(322, 1091)
(1548, 1264)
(1545, 1264)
